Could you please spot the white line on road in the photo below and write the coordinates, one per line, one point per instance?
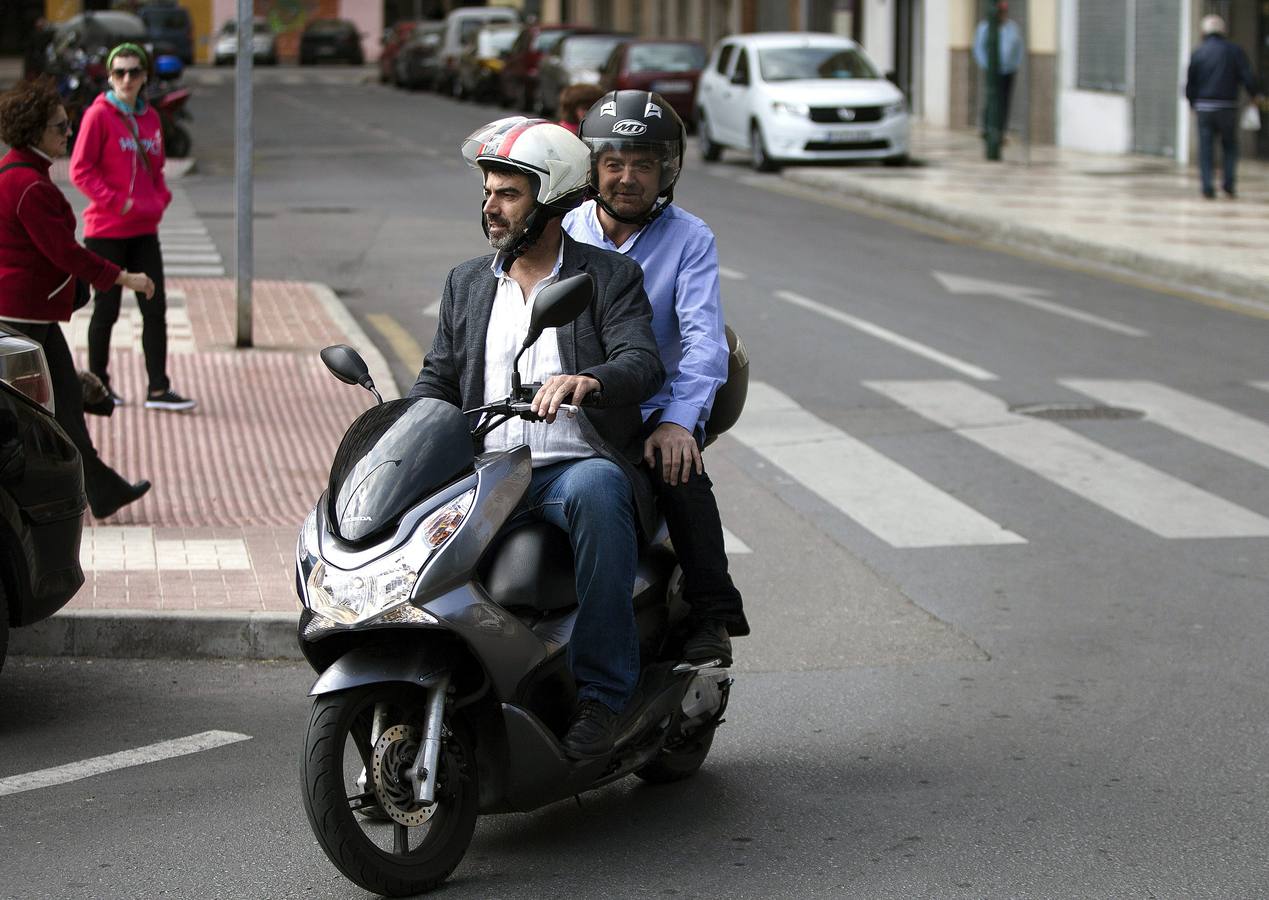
(185, 257)
(195, 743)
(969, 370)
(731, 273)
(1197, 419)
(892, 502)
(1263, 385)
(1143, 495)
(1029, 296)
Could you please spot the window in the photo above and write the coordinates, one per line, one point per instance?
(741, 75)
(1103, 42)
(813, 63)
(724, 58)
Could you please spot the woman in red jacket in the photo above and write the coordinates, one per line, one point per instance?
(39, 262)
(118, 165)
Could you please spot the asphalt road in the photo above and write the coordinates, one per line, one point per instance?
(1032, 665)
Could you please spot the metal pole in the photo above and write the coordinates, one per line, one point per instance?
(243, 144)
(992, 130)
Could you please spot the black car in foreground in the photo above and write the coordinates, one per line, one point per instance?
(41, 493)
(331, 40)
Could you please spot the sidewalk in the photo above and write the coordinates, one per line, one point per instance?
(1140, 213)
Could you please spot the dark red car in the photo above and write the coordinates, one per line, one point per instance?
(518, 82)
(394, 39)
(671, 68)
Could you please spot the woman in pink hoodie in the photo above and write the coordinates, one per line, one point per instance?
(118, 165)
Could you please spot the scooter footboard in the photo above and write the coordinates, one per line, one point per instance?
(380, 663)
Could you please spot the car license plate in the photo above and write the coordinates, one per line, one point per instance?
(671, 87)
(852, 136)
(325, 51)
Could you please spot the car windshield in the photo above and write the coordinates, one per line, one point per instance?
(588, 50)
(494, 43)
(546, 41)
(811, 63)
(665, 58)
(165, 20)
(328, 27)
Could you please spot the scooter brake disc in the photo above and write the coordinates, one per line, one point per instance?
(394, 756)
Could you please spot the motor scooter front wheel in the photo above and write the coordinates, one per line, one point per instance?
(360, 745)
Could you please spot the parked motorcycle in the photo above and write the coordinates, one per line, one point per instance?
(441, 644)
(170, 100)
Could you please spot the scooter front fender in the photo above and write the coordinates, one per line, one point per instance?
(379, 664)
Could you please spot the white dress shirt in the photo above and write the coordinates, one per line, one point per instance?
(508, 325)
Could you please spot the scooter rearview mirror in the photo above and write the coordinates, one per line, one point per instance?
(346, 364)
(558, 304)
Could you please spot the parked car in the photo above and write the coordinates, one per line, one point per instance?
(461, 26)
(576, 59)
(518, 81)
(95, 33)
(394, 38)
(418, 64)
(331, 40)
(41, 493)
(170, 28)
(671, 68)
(798, 97)
(264, 43)
(479, 66)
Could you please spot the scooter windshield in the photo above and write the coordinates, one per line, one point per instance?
(392, 457)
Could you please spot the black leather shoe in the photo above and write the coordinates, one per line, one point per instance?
(591, 732)
(708, 640)
(117, 497)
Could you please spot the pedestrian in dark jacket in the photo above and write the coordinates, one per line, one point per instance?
(39, 263)
(1218, 70)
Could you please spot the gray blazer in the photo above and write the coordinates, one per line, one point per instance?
(611, 341)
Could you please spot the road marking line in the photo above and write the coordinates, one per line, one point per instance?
(732, 274)
(892, 502)
(1199, 420)
(1145, 496)
(734, 545)
(1263, 385)
(967, 369)
(1029, 296)
(403, 344)
(99, 765)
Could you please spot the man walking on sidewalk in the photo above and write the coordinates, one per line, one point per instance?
(1218, 69)
(1010, 59)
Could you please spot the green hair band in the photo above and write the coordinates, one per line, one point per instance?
(128, 49)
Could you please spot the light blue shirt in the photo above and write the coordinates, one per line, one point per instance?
(1010, 47)
(680, 275)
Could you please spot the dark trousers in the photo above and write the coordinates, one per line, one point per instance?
(68, 402)
(696, 530)
(136, 254)
(1222, 123)
(1005, 86)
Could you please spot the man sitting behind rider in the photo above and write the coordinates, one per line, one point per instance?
(636, 142)
(585, 477)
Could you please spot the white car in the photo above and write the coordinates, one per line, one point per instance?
(798, 97)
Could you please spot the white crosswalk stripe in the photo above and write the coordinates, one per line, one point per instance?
(892, 502)
(1145, 496)
(1199, 420)
(188, 250)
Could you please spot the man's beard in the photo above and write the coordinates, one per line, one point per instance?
(514, 231)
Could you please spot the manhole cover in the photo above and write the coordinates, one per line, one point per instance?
(1067, 411)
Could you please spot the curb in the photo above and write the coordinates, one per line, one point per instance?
(157, 634)
(1250, 291)
(379, 369)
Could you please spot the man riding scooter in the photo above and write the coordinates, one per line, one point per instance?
(585, 479)
(636, 142)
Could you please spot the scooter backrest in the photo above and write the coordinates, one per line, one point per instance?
(729, 402)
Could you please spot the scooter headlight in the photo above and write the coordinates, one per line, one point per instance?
(350, 597)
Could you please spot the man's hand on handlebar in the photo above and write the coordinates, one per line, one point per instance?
(559, 389)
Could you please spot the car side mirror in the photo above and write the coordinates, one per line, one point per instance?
(346, 364)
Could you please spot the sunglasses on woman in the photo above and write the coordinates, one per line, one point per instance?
(134, 72)
(63, 127)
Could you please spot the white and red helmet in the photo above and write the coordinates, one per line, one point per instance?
(555, 159)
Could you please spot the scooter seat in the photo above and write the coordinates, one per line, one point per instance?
(532, 568)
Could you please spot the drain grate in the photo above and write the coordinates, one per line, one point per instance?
(1068, 411)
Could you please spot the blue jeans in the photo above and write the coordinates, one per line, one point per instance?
(592, 500)
(1221, 123)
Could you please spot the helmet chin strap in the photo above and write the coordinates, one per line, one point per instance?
(658, 207)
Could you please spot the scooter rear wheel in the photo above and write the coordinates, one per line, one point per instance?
(419, 848)
(680, 761)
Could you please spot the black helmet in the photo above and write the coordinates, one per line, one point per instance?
(636, 120)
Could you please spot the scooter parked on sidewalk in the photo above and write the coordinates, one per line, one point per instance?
(442, 643)
(170, 100)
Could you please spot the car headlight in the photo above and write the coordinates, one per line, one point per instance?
(781, 107)
(350, 597)
(24, 368)
(895, 109)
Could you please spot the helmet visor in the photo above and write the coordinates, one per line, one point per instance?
(666, 154)
(487, 139)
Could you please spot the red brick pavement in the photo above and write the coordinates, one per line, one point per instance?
(245, 466)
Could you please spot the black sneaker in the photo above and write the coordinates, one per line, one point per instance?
(170, 400)
(708, 640)
(592, 731)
